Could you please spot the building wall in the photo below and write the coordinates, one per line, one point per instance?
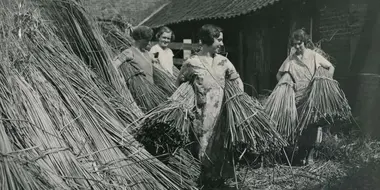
(355, 48)
(340, 26)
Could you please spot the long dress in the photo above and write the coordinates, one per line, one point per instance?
(209, 81)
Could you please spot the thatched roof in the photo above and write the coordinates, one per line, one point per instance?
(131, 11)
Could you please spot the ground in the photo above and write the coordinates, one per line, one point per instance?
(351, 163)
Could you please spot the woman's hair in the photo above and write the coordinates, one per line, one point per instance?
(142, 33)
(165, 29)
(208, 32)
(301, 35)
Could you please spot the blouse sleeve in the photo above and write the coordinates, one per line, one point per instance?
(285, 66)
(322, 61)
(233, 75)
(126, 55)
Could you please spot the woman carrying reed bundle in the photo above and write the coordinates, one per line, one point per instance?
(136, 65)
(301, 64)
(326, 102)
(209, 70)
(168, 126)
(167, 132)
(247, 124)
(281, 107)
(138, 52)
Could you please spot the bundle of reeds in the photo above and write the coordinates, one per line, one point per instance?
(82, 36)
(59, 111)
(175, 71)
(78, 122)
(281, 107)
(114, 36)
(166, 131)
(247, 122)
(122, 107)
(169, 124)
(146, 94)
(325, 101)
(15, 171)
(164, 80)
(28, 125)
(184, 163)
(32, 129)
(119, 157)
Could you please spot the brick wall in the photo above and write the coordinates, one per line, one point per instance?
(360, 81)
(340, 25)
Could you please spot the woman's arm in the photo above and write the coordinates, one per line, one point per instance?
(126, 55)
(233, 75)
(323, 62)
(279, 75)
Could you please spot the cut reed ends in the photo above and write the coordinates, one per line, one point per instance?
(184, 163)
(281, 107)
(325, 102)
(247, 123)
(168, 126)
(166, 131)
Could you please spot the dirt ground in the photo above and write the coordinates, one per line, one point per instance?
(352, 163)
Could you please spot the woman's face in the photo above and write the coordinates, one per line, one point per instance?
(299, 46)
(218, 43)
(164, 39)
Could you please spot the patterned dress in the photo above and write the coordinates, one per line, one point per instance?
(209, 80)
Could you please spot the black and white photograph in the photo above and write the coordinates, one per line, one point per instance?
(189, 94)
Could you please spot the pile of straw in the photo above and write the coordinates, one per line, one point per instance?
(325, 102)
(247, 123)
(60, 118)
(281, 107)
(17, 170)
(82, 37)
